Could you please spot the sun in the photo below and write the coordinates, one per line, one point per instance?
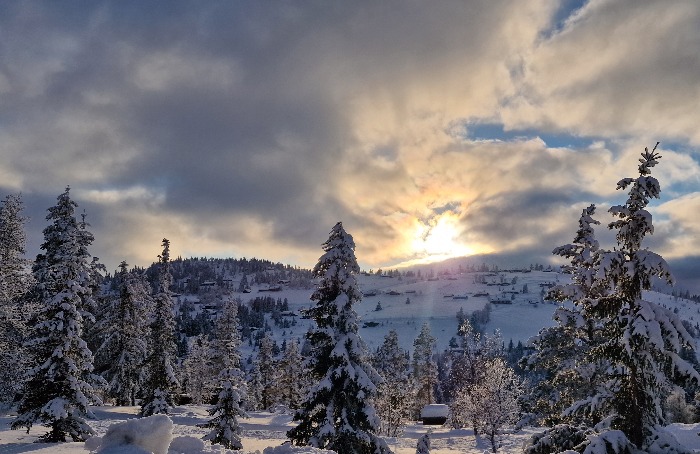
(439, 239)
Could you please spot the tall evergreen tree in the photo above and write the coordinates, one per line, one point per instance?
(565, 372)
(254, 397)
(14, 278)
(198, 368)
(425, 373)
(635, 344)
(268, 372)
(161, 382)
(225, 429)
(642, 339)
(292, 384)
(338, 413)
(227, 338)
(394, 396)
(61, 385)
(243, 285)
(14, 283)
(124, 349)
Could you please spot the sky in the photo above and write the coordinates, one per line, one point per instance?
(430, 129)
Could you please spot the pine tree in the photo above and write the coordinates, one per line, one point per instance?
(338, 412)
(14, 279)
(224, 426)
(394, 398)
(268, 372)
(61, 384)
(198, 367)
(425, 373)
(227, 337)
(124, 349)
(254, 401)
(292, 383)
(14, 283)
(642, 339)
(561, 360)
(161, 382)
(637, 342)
(226, 430)
(243, 285)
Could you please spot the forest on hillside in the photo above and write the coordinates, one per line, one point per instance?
(612, 371)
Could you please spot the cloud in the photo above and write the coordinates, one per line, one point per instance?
(680, 226)
(616, 68)
(250, 129)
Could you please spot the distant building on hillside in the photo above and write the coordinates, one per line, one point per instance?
(501, 299)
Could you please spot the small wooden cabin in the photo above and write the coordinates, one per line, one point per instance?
(434, 414)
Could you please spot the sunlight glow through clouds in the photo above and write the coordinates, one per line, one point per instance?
(439, 239)
(431, 130)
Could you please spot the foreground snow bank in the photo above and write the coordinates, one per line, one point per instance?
(289, 449)
(146, 435)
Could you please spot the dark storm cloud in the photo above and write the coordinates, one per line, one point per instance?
(250, 128)
(256, 138)
(525, 221)
(685, 271)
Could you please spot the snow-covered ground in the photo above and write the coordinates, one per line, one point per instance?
(432, 302)
(264, 430)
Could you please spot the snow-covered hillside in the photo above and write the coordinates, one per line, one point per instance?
(435, 302)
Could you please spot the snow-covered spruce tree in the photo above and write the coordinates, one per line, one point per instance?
(198, 369)
(268, 372)
(560, 373)
(99, 303)
(561, 361)
(243, 285)
(14, 283)
(642, 339)
(124, 349)
(338, 412)
(425, 372)
(60, 386)
(291, 384)
(493, 401)
(225, 429)
(394, 397)
(227, 338)
(224, 426)
(639, 341)
(254, 385)
(161, 382)
(14, 278)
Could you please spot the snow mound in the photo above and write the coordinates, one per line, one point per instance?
(93, 443)
(124, 449)
(289, 449)
(186, 445)
(138, 436)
